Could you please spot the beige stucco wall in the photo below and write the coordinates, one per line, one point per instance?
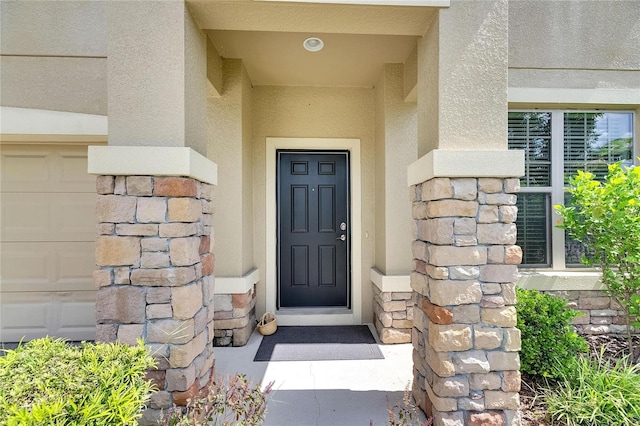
(156, 76)
(230, 146)
(54, 56)
(322, 113)
(462, 64)
(396, 148)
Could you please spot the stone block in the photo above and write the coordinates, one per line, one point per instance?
(154, 244)
(184, 251)
(470, 404)
(180, 379)
(206, 191)
(491, 288)
(158, 295)
(490, 185)
(436, 189)
(503, 317)
(117, 251)
(464, 272)
(419, 249)
(437, 314)
(419, 283)
(170, 331)
(441, 404)
(166, 277)
(137, 229)
(208, 263)
(471, 362)
(222, 302)
(394, 305)
(161, 310)
(152, 210)
(488, 214)
(436, 231)
(508, 214)
(402, 323)
(437, 272)
(485, 419)
(492, 301)
(453, 256)
(596, 303)
(498, 400)
(464, 188)
(125, 305)
(464, 226)
(106, 332)
(449, 338)
(182, 355)
(466, 314)
(184, 210)
(484, 381)
(495, 254)
(448, 208)
(392, 336)
(486, 337)
(511, 381)
(503, 361)
(115, 209)
(153, 260)
(139, 185)
(175, 187)
(440, 362)
(102, 278)
(181, 399)
(186, 300)
(205, 244)
(451, 386)
(455, 418)
(497, 199)
(511, 185)
(232, 323)
(496, 233)
(512, 339)
(160, 400)
(128, 334)
(465, 240)
(105, 228)
(105, 184)
(174, 230)
(241, 335)
(509, 293)
(419, 210)
(119, 186)
(499, 273)
(448, 292)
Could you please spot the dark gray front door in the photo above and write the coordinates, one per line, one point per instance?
(313, 229)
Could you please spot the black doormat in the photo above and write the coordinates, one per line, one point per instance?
(319, 343)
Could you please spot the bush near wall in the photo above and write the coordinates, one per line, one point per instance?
(49, 382)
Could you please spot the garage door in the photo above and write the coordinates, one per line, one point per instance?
(46, 242)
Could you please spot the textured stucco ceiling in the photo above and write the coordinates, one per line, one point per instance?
(268, 37)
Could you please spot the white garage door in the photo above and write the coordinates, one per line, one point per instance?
(46, 242)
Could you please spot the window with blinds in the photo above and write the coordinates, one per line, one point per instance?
(556, 145)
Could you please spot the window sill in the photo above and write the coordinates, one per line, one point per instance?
(555, 280)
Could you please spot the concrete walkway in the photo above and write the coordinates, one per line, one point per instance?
(324, 393)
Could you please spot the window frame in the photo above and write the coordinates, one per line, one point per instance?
(556, 245)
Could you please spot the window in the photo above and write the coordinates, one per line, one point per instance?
(556, 145)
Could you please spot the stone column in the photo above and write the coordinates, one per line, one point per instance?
(155, 278)
(466, 362)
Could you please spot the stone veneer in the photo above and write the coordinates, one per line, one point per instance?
(155, 278)
(466, 361)
(393, 315)
(235, 318)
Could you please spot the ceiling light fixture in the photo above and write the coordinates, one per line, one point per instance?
(313, 44)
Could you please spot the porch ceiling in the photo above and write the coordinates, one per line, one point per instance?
(268, 37)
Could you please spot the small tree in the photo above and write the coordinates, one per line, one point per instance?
(605, 217)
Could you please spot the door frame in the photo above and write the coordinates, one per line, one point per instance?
(314, 316)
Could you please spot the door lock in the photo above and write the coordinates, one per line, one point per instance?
(342, 237)
(343, 226)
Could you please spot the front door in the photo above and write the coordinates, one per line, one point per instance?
(313, 229)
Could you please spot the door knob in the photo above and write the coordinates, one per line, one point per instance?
(342, 237)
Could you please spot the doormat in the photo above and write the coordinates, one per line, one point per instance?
(319, 343)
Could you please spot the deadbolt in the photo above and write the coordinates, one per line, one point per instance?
(343, 226)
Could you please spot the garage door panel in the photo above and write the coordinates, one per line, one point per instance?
(48, 217)
(45, 169)
(29, 316)
(33, 267)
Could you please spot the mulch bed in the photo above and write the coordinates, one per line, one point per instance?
(534, 413)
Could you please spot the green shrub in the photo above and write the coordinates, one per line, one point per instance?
(548, 340)
(595, 392)
(48, 382)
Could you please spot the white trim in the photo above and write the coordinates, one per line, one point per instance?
(560, 280)
(352, 145)
(151, 161)
(390, 283)
(237, 285)
(574, 96)
(466, 163)
(38, 125)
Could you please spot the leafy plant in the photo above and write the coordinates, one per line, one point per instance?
(48, 382)
(234, 401)
(548, 339)
(595, 392)
(605, 217)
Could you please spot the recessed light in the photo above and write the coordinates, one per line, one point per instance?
(313, 44)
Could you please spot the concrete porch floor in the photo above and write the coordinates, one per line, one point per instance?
(324, 393)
